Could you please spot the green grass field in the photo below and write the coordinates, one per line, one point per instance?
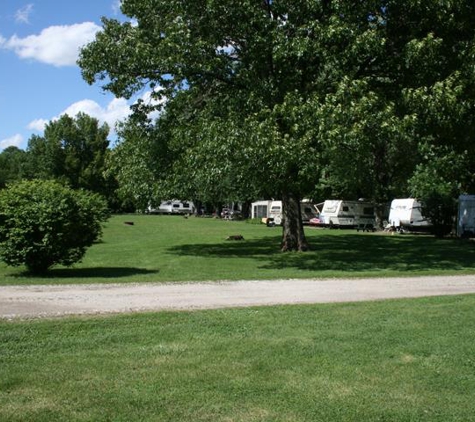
(402, 360)
(169, 248)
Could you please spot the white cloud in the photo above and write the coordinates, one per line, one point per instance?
(23, 15)
(117, 109)
(14, 141)
(116, 6)
(56, 45)
(37, 125)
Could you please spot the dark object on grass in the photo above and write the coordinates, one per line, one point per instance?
(235, 237)
(129, 223)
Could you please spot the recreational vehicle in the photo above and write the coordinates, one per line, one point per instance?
(272, 211)
(406, 214)
(276, 212)
(341, 213)
(173, 207)
(466, 216)
(260, 209)
(309, 211)
(267, 209)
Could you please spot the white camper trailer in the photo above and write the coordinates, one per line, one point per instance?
(273, 210)
(406, 214)
(260, 209)
(340, 213)
(466, 216)
(267, 210)
(309, 211)
(173, 207)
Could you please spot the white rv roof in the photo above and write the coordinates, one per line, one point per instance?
(404, 203)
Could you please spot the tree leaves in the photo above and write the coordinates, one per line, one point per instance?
(324, 96)
(43, 223)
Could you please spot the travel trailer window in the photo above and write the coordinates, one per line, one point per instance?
(260, 211)
(369, 211)
(345, 208)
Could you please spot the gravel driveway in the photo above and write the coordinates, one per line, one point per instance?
(54, 300)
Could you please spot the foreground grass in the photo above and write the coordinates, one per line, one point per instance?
(404, 360)
(167, 248)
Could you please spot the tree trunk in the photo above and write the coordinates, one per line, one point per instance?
(381, 215)
(293, 236)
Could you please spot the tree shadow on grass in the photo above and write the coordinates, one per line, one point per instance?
(240, 248)
(359, 253)
(347, 253)
(98, 272)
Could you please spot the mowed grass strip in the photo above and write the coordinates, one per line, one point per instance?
(401, 360)
(172, 248)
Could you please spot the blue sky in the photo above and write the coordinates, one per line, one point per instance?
(39, 42)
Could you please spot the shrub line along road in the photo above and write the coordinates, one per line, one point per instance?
(61, 300)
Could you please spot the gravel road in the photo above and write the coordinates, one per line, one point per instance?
(61, 300)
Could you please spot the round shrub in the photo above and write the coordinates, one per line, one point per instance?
(44, 223)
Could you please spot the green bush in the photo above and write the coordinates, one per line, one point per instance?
(440, 210)
(43, 223)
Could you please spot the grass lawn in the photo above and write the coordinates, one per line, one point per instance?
(401, 360)
(169, 248)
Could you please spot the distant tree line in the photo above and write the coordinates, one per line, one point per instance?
(72, 151)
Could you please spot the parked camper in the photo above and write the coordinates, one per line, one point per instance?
(260, 209)
(276, 212)
(173, 207)
(267, 209)
(406, 214)
(466, 216)
(309, 211)
(272, 210)
(341, 213)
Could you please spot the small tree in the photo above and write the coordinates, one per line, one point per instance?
(43, 223)
(440, 209)
(437, 182)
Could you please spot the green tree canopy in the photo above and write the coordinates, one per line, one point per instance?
(13, 163)
(239, 77)
(72, 150)
(278, 97)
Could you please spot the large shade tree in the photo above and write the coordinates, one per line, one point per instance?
(240, 78)
(272, 96)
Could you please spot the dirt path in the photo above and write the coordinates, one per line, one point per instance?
(51, 301)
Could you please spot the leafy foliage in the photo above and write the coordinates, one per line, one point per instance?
(43, 223)
(286, 98)
(437, 182)
(72, 150)
(13, 163)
